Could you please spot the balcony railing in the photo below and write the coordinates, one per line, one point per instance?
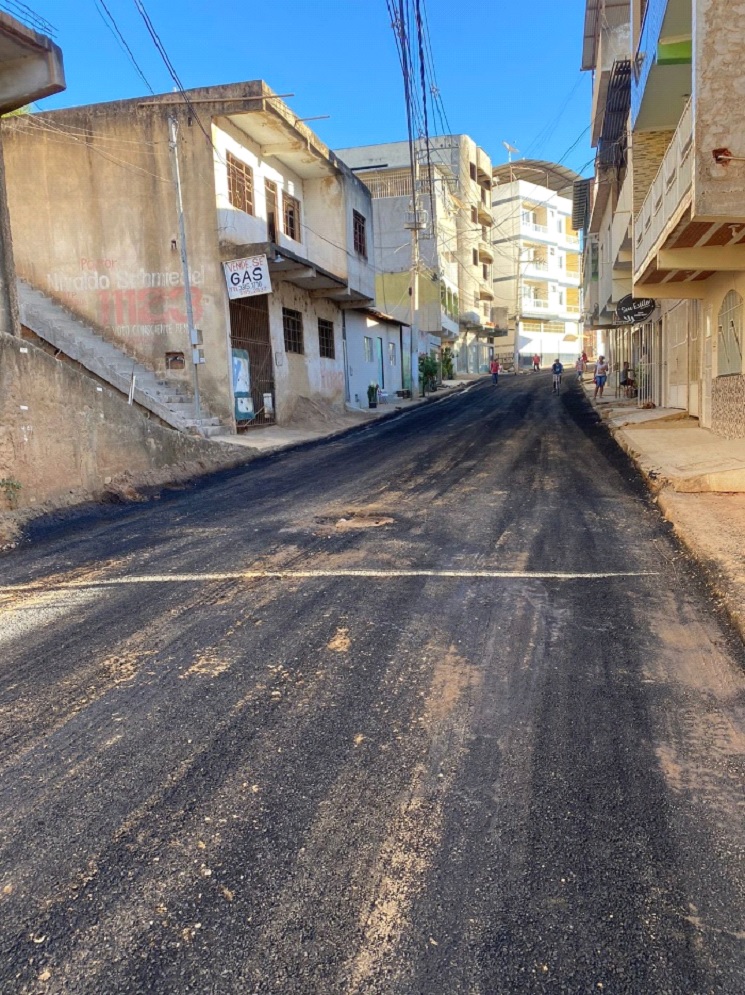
(668, 192)
(534, 228)
(535, 304)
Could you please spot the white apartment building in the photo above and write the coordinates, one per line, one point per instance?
(537, 260)
(454, 291)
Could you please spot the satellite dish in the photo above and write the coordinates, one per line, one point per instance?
(511, 150)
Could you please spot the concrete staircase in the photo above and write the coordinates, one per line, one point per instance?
(172, 401)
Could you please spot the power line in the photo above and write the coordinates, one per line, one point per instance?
(114, 29)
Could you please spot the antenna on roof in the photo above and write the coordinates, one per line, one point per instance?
(511, 150)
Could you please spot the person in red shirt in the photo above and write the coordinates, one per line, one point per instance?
(494, 369)
(536, 362)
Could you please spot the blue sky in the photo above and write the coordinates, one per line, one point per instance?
(507, 71)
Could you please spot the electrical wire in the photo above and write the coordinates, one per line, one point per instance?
(114, 28)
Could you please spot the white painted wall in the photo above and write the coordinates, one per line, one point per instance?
(361, 371)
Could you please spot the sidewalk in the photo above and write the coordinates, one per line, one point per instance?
(699, 482)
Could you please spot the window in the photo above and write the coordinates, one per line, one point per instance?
(359, 223)
(475, 257)
(292, 217)
(472, 170)
(270, 188)
(729, 344)
(485, 271)
(475, 215)
(326, 347)
(392, 353)
(292, 323)
(240, 185)
(368, 349)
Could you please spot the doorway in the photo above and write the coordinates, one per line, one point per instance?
(249, 337)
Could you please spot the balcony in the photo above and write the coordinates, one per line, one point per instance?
(486, 252)
(536, 305)
(484, 213)
(663, 65)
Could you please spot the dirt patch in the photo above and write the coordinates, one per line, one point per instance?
(207, 665)
(314, 415)
(712, 527)
(341, 642)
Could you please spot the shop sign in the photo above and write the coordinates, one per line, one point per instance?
(247, 277)
(633, 310)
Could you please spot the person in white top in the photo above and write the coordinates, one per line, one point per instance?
(601, 376)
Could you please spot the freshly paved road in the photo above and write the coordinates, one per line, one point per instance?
(372, 717)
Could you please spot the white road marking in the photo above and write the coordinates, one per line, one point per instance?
(238, 575)
(21, 619)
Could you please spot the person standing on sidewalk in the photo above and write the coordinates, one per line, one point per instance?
(494, 369)
(536, 363)
(601, 376)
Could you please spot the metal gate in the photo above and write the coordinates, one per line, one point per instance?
(249, 330)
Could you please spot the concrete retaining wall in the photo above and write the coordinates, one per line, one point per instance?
(62, 434)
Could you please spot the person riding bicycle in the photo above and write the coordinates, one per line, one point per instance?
(557, 369)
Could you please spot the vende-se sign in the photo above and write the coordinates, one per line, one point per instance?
(247, 277)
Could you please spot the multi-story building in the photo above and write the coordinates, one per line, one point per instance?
(453, 293)
(256, 184)
(668, 85)
(537, 260)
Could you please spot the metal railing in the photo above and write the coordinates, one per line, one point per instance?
(668, 191)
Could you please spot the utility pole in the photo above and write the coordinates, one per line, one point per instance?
(414, 169)
(193, 333)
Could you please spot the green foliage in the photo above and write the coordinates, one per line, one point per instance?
(447, 363)
(372, 392)
(428, 372)
(10, 489)
(18, 112)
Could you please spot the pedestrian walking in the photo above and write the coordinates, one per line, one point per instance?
(580, 368)
(495, 369)
(536, 363)
(601, 376)
(557, 369)
(584, 360)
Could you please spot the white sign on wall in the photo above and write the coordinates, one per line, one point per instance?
(247, 277)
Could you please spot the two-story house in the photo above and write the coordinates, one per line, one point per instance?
(254, 182)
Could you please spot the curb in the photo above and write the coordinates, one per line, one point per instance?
(721, 583)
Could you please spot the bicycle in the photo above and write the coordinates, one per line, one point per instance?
(557, 382)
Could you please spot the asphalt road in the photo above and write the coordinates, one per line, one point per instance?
(435, 708)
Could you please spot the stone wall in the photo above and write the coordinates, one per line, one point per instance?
(728, 406)
(63, 435)
(647, 152)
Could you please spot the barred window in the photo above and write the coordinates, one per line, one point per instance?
(359, 223)
(392, 353)
(368, 349)
(292, 322)
(292, 217)
(240, 184)
(326, 346)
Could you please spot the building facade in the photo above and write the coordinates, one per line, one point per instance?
(679, 216)
(537, 260)
(453, 290)
(255, 182)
